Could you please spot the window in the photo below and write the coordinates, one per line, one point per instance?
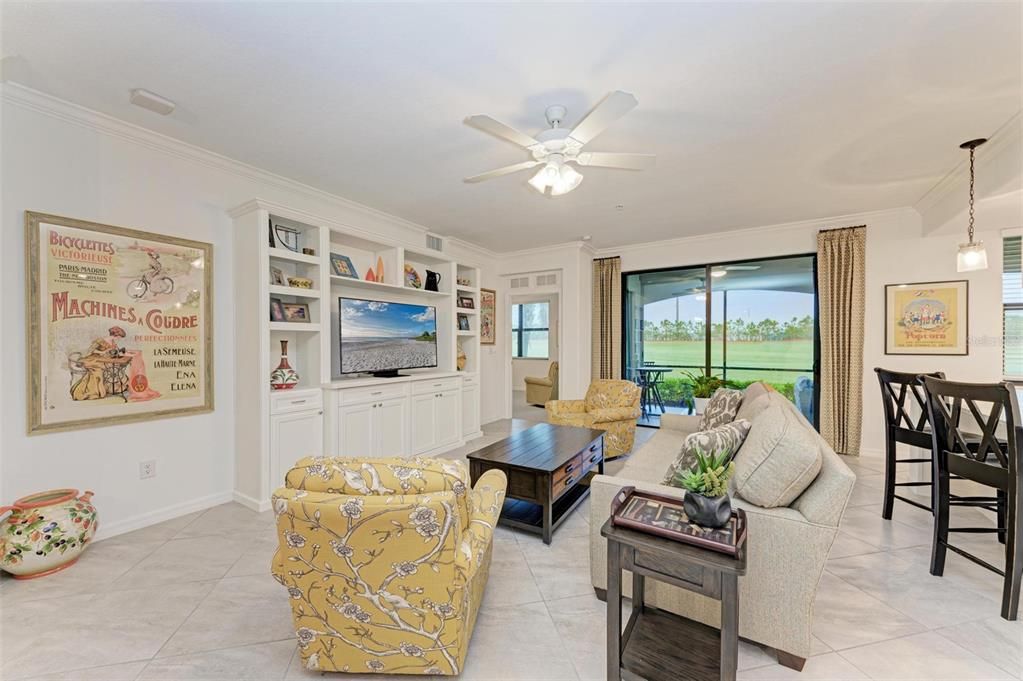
(1012, 299)
(754, 320)
(530, 324)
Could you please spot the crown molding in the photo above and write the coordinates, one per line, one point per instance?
(821, 223)
(1004, 138)
(68, 112)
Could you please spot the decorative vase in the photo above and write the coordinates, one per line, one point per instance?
(700, 404)
(46, 532)
(283, 377)
(707, 511)
(461, 359)
(370, 276)
(380, 269)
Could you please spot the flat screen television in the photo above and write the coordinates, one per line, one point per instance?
(382, 338)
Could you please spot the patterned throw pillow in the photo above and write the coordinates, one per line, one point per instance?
(725, 438)
(721, 408)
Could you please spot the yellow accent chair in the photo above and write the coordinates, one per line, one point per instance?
(385, 561)
(610, 405)
(542, 389)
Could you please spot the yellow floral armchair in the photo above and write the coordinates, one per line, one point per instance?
(610, 405)
(385, 561)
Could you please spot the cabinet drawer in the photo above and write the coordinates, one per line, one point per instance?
(286, 401)
(470, 379)
(592, 455)
(561, 486)
(438, 385)
(691, 577)
(373, 394)
(572, 468)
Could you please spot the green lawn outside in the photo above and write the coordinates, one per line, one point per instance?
(790, 354)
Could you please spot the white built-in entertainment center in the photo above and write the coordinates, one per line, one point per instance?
(421, 412)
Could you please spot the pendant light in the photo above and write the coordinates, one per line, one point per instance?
(972, 255)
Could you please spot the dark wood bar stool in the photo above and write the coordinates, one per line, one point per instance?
(896, 389)
(985, 459)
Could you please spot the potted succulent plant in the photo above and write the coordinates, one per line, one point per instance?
(706, 484)
(704, 385)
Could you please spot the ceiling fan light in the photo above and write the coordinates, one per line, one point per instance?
(972, 256)
(568, 179)
(539, 181)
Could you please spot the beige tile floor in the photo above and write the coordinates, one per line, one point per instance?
(192, 599)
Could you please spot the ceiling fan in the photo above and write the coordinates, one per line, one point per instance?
(557, 147)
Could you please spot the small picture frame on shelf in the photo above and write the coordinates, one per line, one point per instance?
(276, 310)
(288, 237)
(342, 266)
(277, 276)
(296, 312)
(466, 303)
(463, 322)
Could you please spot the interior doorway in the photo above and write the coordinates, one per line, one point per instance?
(535, 345)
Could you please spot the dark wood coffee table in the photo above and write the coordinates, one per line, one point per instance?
(545, 465)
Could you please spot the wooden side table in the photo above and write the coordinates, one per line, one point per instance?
(659, 645)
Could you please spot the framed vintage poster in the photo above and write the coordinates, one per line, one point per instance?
(927, 318)
(488, 316)
(120, 324)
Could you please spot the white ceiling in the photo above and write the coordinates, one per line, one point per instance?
(759, 113)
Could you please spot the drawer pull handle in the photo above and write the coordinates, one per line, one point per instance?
(437, 385)
(569, 468)
(378, 392)
(298, 401)
(593, 448)
(595, 458)
(568, 481)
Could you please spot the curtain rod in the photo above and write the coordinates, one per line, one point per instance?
(841, 229)
(612, 257)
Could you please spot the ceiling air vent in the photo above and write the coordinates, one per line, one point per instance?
(546, 280)
(434, 242)
(520, 282)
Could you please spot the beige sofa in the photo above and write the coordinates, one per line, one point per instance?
(788, 545)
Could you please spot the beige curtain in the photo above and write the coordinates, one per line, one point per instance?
(841, 268)
(607, 318)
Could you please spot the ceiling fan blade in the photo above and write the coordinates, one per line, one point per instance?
(499, 129)
(609, 110)
(612, 160)
(507, 170)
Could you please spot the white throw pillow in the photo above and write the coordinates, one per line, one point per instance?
(778, 460)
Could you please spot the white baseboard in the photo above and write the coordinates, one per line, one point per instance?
(250, 502)
(473, 436)
(160, 515)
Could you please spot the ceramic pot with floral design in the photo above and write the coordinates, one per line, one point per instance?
(45, 532)
(283, 377)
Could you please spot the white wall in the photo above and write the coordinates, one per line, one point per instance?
(61, 159)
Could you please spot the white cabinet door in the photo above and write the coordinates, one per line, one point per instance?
(293, 436)
(355, 430)
(470, 409)
(447, 415)
(390, 422)
(424, 430)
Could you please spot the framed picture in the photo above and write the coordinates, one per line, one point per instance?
(276, 310)
(120, 324)
(927, 318)
(287, 237)
(296, 312)
(342, 266)
(488, 316)
(463, 322)
(466, 302)
(277, 276)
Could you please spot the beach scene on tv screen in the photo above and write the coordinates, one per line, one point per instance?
(378, 336)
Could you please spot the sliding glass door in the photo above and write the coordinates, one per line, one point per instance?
(762, 327)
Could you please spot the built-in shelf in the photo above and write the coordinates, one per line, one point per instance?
(294, 326)
(466, 310)
(381, 286)
(466, 333)
(295, 291)
(468, 289)
(292, 256)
